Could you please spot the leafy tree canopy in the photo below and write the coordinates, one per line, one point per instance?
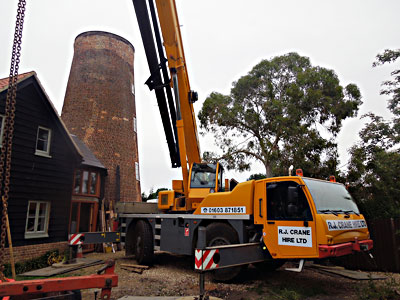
(391, 87)
(373, 169)
(152, 194)
(256, 176)
(375, 181)
(273, 113)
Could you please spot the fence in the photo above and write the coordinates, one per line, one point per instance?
(386, 236)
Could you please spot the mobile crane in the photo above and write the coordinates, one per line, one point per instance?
(290, 217)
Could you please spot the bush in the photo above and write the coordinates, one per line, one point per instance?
(32, 264)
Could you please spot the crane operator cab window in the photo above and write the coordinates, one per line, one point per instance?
(220, 172)
(203, 176)
(286, 201)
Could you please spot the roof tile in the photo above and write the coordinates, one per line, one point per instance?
(4, 81)
(89, 158)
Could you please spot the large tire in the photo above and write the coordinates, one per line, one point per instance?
(218, 234)
(143, 243)
(270, 265)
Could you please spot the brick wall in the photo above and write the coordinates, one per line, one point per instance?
(99, 107)
(23, 253)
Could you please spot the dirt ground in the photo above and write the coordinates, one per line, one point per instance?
(173, 275)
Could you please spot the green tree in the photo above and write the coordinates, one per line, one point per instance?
(152, 194)
(373, 170)
(256, 176)
(391, 87)
(375, 160)
(274, 115)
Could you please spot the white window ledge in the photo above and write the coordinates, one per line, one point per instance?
(43, 154)
(36, 235)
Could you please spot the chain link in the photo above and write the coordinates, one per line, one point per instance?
(6, 149)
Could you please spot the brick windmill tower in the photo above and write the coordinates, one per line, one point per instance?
(99, 108)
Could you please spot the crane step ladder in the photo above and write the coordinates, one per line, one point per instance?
(157, 236)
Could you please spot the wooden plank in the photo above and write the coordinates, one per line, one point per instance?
(139, 271)
(356, 275)
(137, 208)
(135, 266)
(63, 268)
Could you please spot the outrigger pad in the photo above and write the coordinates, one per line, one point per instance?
(356, 275)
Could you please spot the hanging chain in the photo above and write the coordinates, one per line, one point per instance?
(5, 156)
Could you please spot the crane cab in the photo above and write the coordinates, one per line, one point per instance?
(204, 178)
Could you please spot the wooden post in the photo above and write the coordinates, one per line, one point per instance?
(111, 224)
(103, 222)
(9, 242)
(11, 249)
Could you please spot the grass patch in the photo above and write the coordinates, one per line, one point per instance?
(287, 291)
(259, 289)
(383, 290)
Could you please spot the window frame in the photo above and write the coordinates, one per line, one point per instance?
(42, 152)
(203, 176)
(35, 233)
(278, 209)
(133, 89)
(137, 171)
(89, 172)
(134, 124)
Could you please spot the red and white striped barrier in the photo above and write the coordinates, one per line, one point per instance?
(204, 259)
(75, 239)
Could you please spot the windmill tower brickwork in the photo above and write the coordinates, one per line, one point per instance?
(99, 108)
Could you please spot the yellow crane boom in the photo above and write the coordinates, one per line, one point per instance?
(176, 61)
(178, 115)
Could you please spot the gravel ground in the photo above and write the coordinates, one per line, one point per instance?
(173, 275)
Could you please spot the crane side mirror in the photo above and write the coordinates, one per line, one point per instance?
(193, 96)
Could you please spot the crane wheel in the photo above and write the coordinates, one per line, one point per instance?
(143, 247)
(218, 234)
(270, 265)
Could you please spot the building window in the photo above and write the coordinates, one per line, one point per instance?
(86, 183)
(43, 141)
(77, 182)
(2, 119)
(37, 219)
(137, 171)
(134, 124)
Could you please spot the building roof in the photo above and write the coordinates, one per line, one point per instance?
(4, 81)
(24, 76)
(89, 159)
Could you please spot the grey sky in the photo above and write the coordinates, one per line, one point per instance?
(223, 40)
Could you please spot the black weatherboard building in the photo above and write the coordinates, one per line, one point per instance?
(44, 158)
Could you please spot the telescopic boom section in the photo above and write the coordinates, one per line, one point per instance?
(184, 147)
(170, 28)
